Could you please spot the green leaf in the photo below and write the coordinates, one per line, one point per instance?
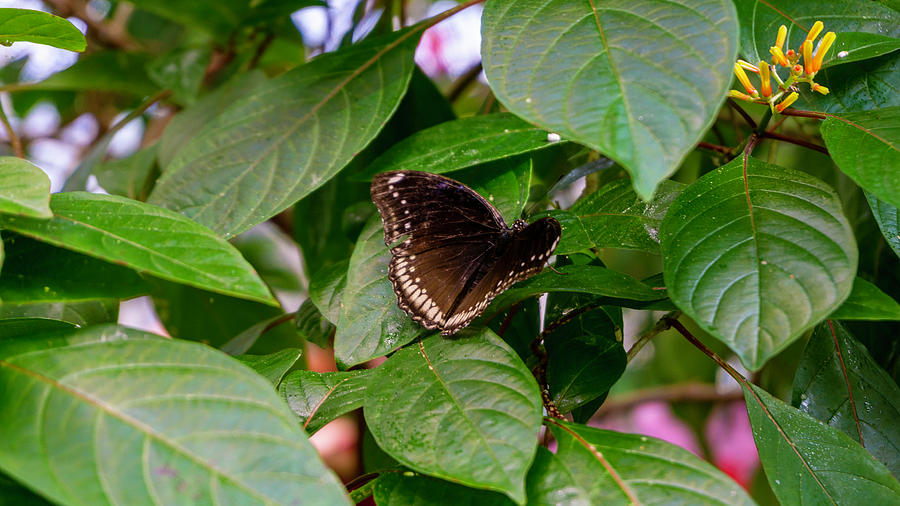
(615, 217)
(609, 467)
(187, 123)
(859, 46)
(464, 409)
(326, 289)
(24, 327)
(215, 17)
(318, 398)
(611, 77)
(840, 384)
(14, 494)
(41, 28)
(760, 21)
(147, 239)
(24, 188)
(182, 71)
(867, 302)
(76, 313)
(808, 462)
(312, 326)
(619, 288)
(37, 272)
(757, 264)
(866, 146)
(859, 86)
(165, 421)
(215, 319)
(276, 258)
(550, 483)
(369, 323)
(408, 489)
(273, 366)
(130, 176)
(461, 143)
(289, 136)
(888, 221)
(117, 71)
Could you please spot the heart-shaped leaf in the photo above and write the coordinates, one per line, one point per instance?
(40, 27)
(867, 302)
(288, 136)
(760, 21)
(461, 143)
(808, 462)
(464, 409)
(147, 239)
(610, 467)
(614, 77)
(888, 221)
(866, 146)
(24, 188)
(757, 261)
(130, 418)
(318, 398)
(840, 384)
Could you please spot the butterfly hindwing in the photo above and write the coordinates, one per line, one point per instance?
(451, 250)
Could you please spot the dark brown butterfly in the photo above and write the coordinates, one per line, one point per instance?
(452, 253)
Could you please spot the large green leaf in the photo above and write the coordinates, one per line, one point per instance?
(145, 238)
(181, 70)
(288, 136)
(839, 383)
(614, 77)
(756, 262)
(41, 28)
(461, 143)
(24, 189)
(37, 272)
(760, 20)
(867, 302)
(888, 221)
(866, 146)
(550, 483)
(130, 418)
(318, 398)
(312, 326)
(607, 467)
(808, 462)
(117, 71)
(76, 313)
(407, 489)
(23, 327)
(615, 217)
(326, 289)
(369, 323)
(464, 409)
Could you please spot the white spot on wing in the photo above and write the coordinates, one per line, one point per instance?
(396, 178)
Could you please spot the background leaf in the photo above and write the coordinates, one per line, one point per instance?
(888, 221)
(145, 238)
(290, 136)
(399, 489)
(614, 468)
(757, 277)
(866, 146)
(463, 409)
(76, 313)
(807, 462)
(24, 188)
(860, 86)
(836, 366)
(41, 28)
(606, 77)
(273, 366)
(867, 302)
(131, 176)
(166, 421)
(116, 71)
(318, 398)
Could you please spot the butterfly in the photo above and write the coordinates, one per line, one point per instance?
(451, 251)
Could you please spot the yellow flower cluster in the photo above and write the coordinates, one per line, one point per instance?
(786, 93)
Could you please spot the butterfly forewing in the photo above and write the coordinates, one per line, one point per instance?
(451, 250)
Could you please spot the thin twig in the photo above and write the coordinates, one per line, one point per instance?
(509, 316)
(260, 50)
(662, 325)
(800, 142)
(460, 85)
(750, 121)
(804, 114)
(725, 150)
(680, 392)
(14, 140)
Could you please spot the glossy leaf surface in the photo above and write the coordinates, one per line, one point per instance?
(318, 398)
(40, 27)
(464, 409)
(273, 366)
(757, 265)
(867, 302)
(24, 188)
(609, 76)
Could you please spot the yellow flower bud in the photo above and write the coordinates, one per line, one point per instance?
(782, 35)
(778, 57)
(742, 77)
(748, 66)
(823, 48)
(787, 102)
(806, 49)
(741, 96)
(814, 31)
(766, 87)
(820, 89)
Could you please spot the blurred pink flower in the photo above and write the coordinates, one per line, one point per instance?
(730, 441)
(655, 419)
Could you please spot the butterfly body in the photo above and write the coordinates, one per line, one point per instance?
(451, 251)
